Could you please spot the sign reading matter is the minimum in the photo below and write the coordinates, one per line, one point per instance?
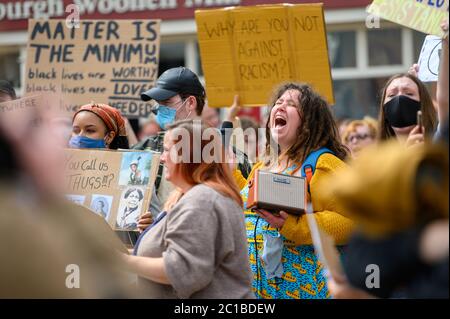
(249, 50)
(102, 61)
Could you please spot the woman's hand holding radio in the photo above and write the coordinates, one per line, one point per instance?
(275, 220)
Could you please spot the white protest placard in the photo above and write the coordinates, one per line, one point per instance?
(429, 59)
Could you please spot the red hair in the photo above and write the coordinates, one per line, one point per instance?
(215, 174)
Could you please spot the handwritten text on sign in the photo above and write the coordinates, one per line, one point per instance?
(248, 50)
(88, 174)
(103, 180)
(422, 15)
(103, 61)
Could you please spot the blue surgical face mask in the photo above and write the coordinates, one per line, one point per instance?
(80, 141)
(165, 116)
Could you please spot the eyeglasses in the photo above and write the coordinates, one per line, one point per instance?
(357, 137)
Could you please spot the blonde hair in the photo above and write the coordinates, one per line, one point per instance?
(367, 121)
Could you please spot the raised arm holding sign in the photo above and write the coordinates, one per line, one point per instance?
(248, 50)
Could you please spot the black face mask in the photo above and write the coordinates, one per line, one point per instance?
(401, 111)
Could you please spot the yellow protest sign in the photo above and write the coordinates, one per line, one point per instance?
(249, 50)
(116, 185)
(422, 15)
(105, 61)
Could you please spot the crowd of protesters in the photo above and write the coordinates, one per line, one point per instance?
(378, 189)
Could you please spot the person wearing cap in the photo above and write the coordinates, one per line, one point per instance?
(179, 95)
(98, 126)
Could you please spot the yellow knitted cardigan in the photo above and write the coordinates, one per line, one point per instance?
(328, 215)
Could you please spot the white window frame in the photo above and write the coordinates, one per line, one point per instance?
(363, 69)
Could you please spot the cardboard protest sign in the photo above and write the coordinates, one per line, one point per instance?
(103, 61)
(18, 116)
(249, 50)
(25, 105)
(429, 59)
(45, 102)
(117, 185)
(422, 15)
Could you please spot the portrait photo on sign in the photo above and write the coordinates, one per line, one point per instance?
(101, 205)
(77, 199)
(130, 207)
(135, 168)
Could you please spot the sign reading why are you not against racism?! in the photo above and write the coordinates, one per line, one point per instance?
(102, 61)
(248, 50)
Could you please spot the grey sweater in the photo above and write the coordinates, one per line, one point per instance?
(204, 246)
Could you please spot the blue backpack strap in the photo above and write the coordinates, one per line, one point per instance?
(160, 216)
(309, 165)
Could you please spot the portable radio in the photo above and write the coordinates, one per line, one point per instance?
(274, 192)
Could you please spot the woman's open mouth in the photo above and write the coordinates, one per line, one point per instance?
(279, 122)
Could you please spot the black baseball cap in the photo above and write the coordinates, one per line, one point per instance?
(174, 81)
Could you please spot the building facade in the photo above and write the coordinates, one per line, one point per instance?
(363, 52)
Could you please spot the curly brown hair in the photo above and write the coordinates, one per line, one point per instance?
(427, 108)
(317, 126)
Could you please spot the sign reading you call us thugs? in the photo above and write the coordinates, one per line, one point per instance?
(117, 185)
